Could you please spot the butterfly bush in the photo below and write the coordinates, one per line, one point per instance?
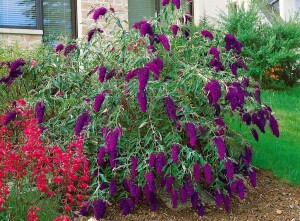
(154, 104)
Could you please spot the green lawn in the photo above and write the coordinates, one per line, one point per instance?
(281, 155)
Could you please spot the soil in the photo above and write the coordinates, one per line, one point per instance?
(272, 200)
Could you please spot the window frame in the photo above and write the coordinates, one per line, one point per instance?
(39, 19)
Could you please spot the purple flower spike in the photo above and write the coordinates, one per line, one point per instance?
(164, 41)
(176, 3)
(195, 199)
(126, 205)
(221, 147)
(183, 195)
(99, 209)
(170, 107)
(174, 29)
(219, 197)
(131, 74)
(153, 67)
(201, 210)
(84, 209)
(234, 69)
(215, 52)
(143, 77)
(99, 99)
(169, 184)
(10, 116)
(145, 29)
(83, 120)
(227, 203)
(174, 198)
(152, 158)
(153, 202)
(39, 111)
(241, 189)
(100, 155)
(252, 177)
(59, 47)
(99, 12)
(159, 62)
(92, 32)
(175, 153)
(255, 134)
(229, 169)
(192, 132)
(102, 73)
(113, 187)
(142, 98)
(214, 91)
(69, 48)
(197, 172)
(274, 126)
(207, 34)
(208, 174)
(165, 2)
(149, 176)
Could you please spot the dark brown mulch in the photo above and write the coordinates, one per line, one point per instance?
(272, 200)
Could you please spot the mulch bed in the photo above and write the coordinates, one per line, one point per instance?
(272, 200)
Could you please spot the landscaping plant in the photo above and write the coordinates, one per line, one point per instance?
(151, 105)
(270, 47)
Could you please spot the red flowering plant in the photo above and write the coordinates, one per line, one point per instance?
(29, 164)
(153, 104)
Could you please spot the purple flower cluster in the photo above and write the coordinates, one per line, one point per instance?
(207, 34)
(241, 189)
(236, 96)
(215, 52)
(233, 43)
(174, 198)
(252, 177)
(192, 132)
(99, 12)
(229, 169)
(208, 173)
(214, 91)
(197, 172)
(217, 64)
(83, 120)
(143, 77)
(131, 74)
(126, 205)
(218, 197)
(92, 32)
(69, 48)
(257, 93)
(170, 107)
(227, 203)
(39, 111)
(158, 161)
(255, 134)
(142, 98)
(274, 126)
(9, 117)
(102, 73)
(175, 2)
(113, 187)
(259, 119)
(221, 147)
(59, 47)
(101, 155)
(195, 199)
(144, 27)
(164, 41)
(99, 208)
(14, 71)
(174, 29)
(99, 99)
(247, 156)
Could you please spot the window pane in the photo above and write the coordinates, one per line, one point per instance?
(139, 10)
(18, 13)
(57, 17)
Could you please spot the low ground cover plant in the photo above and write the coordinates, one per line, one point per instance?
(151, 105)
(271, 49)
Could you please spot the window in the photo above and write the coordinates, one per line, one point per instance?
(59, 17)
(20, 14)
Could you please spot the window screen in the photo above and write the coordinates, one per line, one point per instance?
(140, 9)
(58, 17)
(18, 13)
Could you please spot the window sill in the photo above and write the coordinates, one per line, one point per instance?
(20, 31)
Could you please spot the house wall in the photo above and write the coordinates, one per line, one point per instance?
(287, 8)
(24, 37)
(120, 6)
